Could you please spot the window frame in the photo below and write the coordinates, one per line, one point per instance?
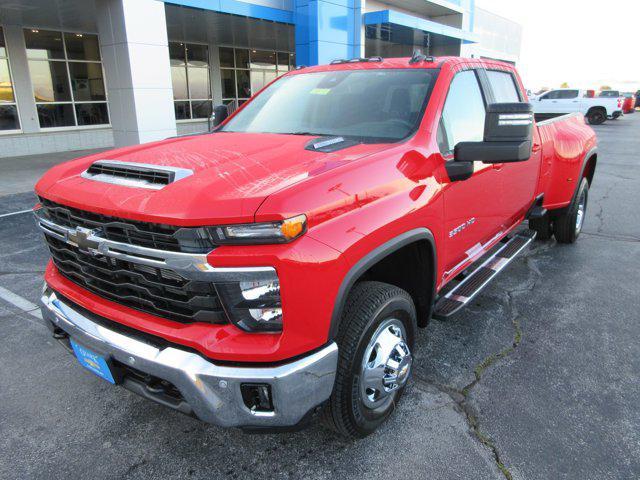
(238, 99)
(519, 93)
(66, 62)
(190, 100)
(482, 87)
(7, 57)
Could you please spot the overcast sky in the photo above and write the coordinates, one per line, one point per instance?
(586, 43)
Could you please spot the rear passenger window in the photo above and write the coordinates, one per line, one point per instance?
(503, 86)
(463, 113)
(568, 94)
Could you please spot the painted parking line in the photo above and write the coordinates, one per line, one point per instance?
(16, 213)
(20, 302)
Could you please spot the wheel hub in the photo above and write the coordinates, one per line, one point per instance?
(386, 365)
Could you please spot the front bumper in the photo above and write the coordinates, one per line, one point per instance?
(210, 392)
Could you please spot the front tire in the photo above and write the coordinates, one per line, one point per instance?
(375, 341)
(568, 225)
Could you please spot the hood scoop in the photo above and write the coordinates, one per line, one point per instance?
(329, 144)
(130, 174)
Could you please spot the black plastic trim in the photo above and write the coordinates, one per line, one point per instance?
(373, 257)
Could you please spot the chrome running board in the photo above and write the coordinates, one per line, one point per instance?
(460, 296)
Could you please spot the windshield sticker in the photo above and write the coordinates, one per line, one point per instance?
(320, 91)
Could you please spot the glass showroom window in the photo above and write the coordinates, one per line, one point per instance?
(67, 77)
(245, 71)
(8, 109)
(190, 78)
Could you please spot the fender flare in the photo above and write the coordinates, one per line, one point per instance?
(585, 159)
(373, 257)
(593, 151)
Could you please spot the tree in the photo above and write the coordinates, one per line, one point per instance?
(564, 85)
(605, 87)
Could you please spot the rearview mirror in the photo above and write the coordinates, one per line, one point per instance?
(219, 115)
(507, 136)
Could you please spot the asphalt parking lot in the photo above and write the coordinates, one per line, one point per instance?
(537, 380)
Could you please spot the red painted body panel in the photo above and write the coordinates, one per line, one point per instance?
(564, 146)
(629, 104)
(355, 200)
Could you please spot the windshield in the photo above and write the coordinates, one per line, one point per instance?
(382, 105)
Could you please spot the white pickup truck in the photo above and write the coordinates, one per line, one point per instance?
(570, 100)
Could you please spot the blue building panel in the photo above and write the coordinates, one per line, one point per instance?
(398, 18)
(236, 7)
(326, 30)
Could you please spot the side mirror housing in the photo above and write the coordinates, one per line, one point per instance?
(219, 115)
(507, 136)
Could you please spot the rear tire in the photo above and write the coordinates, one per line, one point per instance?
(542, 226)
(596, 116)
(375, 340)
(568, 225)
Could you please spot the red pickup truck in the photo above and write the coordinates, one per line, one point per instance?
(277, 269)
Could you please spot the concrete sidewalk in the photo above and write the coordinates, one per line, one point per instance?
(20, 174)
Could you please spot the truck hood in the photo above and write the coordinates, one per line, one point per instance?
(233, 173)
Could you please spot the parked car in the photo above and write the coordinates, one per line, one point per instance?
(638, 99)
(570, 100)
(279, 268)
(629, 103)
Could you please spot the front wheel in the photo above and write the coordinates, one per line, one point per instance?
(375, 341)
(568, 225)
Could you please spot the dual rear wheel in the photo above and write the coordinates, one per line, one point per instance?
(567, 225)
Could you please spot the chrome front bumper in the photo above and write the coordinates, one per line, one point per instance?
(211, 391)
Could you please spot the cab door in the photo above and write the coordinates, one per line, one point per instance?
(518, 180)
(472, 215)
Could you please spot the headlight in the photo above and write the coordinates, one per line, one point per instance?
(260, 233)
(253, 306)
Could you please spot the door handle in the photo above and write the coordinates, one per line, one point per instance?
(536, 147)
(498, 166)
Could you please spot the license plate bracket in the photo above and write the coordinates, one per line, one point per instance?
(94, 362)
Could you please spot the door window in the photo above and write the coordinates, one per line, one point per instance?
(503, 86)
(463, 113)
(560, 95)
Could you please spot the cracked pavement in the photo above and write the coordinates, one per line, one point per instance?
(537, 379)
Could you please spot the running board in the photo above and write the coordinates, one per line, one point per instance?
(467, 289)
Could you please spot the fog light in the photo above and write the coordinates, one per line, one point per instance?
(257, 396)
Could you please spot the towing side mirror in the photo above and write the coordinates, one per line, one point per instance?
(507, 136)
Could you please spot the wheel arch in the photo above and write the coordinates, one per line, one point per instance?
(589, 165)
(418, 244)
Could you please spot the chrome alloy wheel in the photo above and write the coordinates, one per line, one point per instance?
(386, 364)
(582, 206)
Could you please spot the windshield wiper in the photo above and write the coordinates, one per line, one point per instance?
(312, 134)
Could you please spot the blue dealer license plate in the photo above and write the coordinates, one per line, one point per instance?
(92, 362)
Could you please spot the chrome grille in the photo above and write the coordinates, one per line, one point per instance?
(158, 291)
(150, 235)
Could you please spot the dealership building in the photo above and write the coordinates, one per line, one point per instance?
(82, 74)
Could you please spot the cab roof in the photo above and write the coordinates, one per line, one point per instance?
(375, 63)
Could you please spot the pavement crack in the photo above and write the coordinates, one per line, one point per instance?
(614, 237)
(461, 397)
